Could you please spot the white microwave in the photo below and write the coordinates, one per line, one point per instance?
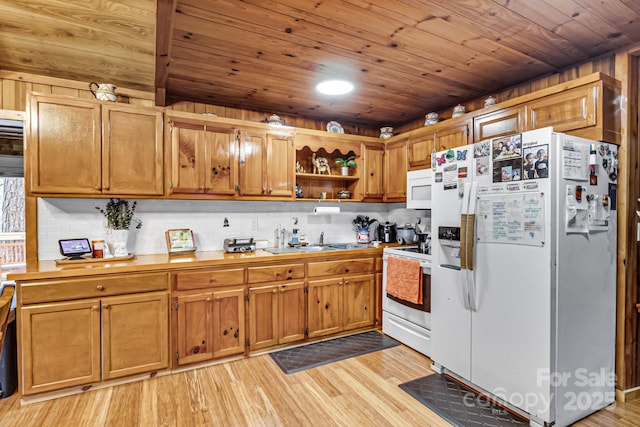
(419, 185)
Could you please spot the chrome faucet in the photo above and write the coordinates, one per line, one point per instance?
(321, 241)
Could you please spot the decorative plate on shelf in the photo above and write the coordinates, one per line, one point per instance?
(334, 127)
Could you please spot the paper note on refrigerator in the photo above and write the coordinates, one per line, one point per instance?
(576, 217)
(511, 218)
(574, 161)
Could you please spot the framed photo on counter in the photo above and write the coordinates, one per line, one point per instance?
(180, 240)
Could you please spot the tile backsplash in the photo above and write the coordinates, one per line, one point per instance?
(73, 218)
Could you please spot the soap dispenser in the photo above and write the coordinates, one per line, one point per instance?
(294, 236)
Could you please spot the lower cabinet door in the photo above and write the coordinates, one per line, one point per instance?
(358, 301)
(228, 322)
(60, 345)
(291, 312)
(263, 316)
(195, 328)
(135, 334)
(324, 310)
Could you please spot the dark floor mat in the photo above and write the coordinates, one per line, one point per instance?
(320, 353)
(458, 405)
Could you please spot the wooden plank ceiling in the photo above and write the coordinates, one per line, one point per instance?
(406, 57)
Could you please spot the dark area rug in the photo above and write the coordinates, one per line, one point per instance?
(458, 405)
(320, 353)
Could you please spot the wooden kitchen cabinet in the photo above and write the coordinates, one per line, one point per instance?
(340, 304)
(64, 141)
(135, 334)
(204, 158)
(453, 135)
(419, 148)
(266, 164)
(60, 345)
(345, 301)
(276, 314)
(87, 147)
(359, 301)
(498, 123)
(330, 182)
(395, 171)
(373, 173)
(80, 331)
(210, 324)
(132, 150)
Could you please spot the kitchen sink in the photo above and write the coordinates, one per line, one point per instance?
(317, 248)
(349, 246)
(296, 249)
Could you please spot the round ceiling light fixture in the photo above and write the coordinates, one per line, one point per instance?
(334, 87)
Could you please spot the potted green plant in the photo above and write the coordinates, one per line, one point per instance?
(345, 163)
(119, 214)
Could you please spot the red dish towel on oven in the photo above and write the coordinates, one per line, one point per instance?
(404, 279)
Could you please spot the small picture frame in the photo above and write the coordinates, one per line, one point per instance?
(180, 240)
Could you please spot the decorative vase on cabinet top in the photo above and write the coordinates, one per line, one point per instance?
(103, 92)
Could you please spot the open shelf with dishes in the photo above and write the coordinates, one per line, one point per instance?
(319, 177)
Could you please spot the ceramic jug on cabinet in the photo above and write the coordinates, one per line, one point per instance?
(104, 91)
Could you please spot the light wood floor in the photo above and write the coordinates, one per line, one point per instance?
(361, 391)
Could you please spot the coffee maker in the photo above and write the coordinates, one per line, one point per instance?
(387, 232)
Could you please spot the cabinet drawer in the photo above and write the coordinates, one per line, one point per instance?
(275, 273)
(209, 278)
(346, 266)
(61, 290)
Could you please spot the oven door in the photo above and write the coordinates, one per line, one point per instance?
(414, 313)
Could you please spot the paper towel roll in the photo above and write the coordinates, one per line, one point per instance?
(326, 210)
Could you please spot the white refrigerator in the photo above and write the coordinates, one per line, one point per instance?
(524, 272)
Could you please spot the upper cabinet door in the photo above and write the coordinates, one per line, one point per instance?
(566, 111)
(498, 123)
(455, 135)
(221, 161)
(187, 158)
(280, 158)
(132, 152)
(252, 167)
(372, 174)
(395, 180)
(419, 151)
(63, 143)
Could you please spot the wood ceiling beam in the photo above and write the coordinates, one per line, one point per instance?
(164, 30)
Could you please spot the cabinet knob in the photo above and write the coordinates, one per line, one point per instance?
(100, 288)
(340, 282)
(212, 279)
(346, 282)
(274, 290)
(106, 187)
(95, 307)
(208, 299)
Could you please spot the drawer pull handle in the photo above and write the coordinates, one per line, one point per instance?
(100, 288)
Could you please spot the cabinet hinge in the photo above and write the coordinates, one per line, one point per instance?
(246, 297)
(242, 162)
(306, 331)
(170, 126)
(247, 342)
(176, 304)
(170, 184)
(306, 289)
(237, 187)
(177, 355)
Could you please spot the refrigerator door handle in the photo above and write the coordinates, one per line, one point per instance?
(464, 251)
(470, 239)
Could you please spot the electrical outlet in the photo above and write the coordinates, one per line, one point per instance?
(254, 224)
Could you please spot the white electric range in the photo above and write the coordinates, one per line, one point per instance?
(407, 322)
